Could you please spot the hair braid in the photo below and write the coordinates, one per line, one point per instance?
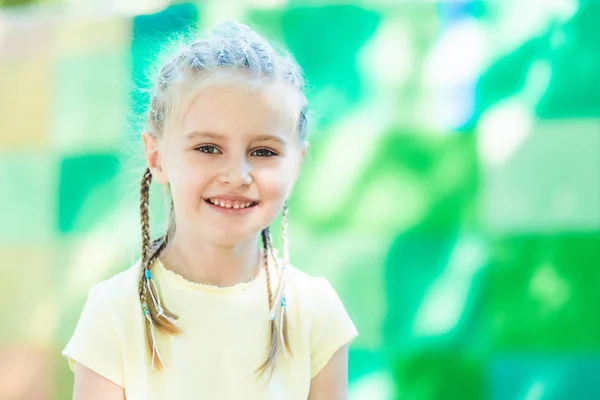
(144, 214)
(156, 313)
(274, 342)
(285, 334)
(275, 339)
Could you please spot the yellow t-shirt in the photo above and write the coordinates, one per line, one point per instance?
(225, 338)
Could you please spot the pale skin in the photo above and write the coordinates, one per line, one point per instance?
(229, 142)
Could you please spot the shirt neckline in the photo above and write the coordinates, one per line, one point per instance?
(162, 273)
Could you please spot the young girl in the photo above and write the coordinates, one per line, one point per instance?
(210, 311)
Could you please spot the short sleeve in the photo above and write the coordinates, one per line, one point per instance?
(95, 343)
(331, 326)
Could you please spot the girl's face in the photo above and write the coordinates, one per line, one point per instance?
(232, 161)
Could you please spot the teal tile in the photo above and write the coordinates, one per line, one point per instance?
(557, 376)
(326, 41)
(88, 189)
(150, 34)
(574, 87)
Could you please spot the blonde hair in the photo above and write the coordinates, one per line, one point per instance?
(232, 54)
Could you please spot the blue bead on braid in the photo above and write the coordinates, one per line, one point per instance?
(148, 274)
(145, 308)
(283, 301)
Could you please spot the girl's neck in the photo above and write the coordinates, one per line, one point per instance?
(211, 264)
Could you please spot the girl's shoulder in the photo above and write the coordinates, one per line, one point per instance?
(119, 290)
(109, 316)
(318, 313)
(305, 282)
(315, 292)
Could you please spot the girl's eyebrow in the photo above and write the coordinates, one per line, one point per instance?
(209, 135)
(258, 138)
(275, 138)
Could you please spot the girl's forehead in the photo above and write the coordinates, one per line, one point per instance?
(229, 110)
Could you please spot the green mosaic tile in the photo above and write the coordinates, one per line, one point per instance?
(559, 62)
(87, 191)
(574, 88)
(436, 374)
(434, 176)
(326, 42)
(28, 201)
(89, 107)
(541, 186)
(540, 291)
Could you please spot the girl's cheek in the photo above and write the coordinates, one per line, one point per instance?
(274, 183)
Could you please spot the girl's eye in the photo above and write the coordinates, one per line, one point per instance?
(263, 153)
(208, 149)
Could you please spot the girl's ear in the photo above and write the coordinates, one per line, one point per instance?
(153, 158)
(301, 160)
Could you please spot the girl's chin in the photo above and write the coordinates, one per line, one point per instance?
(231, 239)
(227, 233)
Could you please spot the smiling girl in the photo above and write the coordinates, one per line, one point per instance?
(210, 311)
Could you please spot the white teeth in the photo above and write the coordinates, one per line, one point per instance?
(228, 204)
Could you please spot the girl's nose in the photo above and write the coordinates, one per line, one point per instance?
(237, 173)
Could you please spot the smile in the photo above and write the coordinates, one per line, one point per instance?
(229, 204)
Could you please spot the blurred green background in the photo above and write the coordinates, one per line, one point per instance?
(451, 194)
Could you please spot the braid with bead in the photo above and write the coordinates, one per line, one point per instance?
(281, 338)
(273, 340)
(155, 313)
